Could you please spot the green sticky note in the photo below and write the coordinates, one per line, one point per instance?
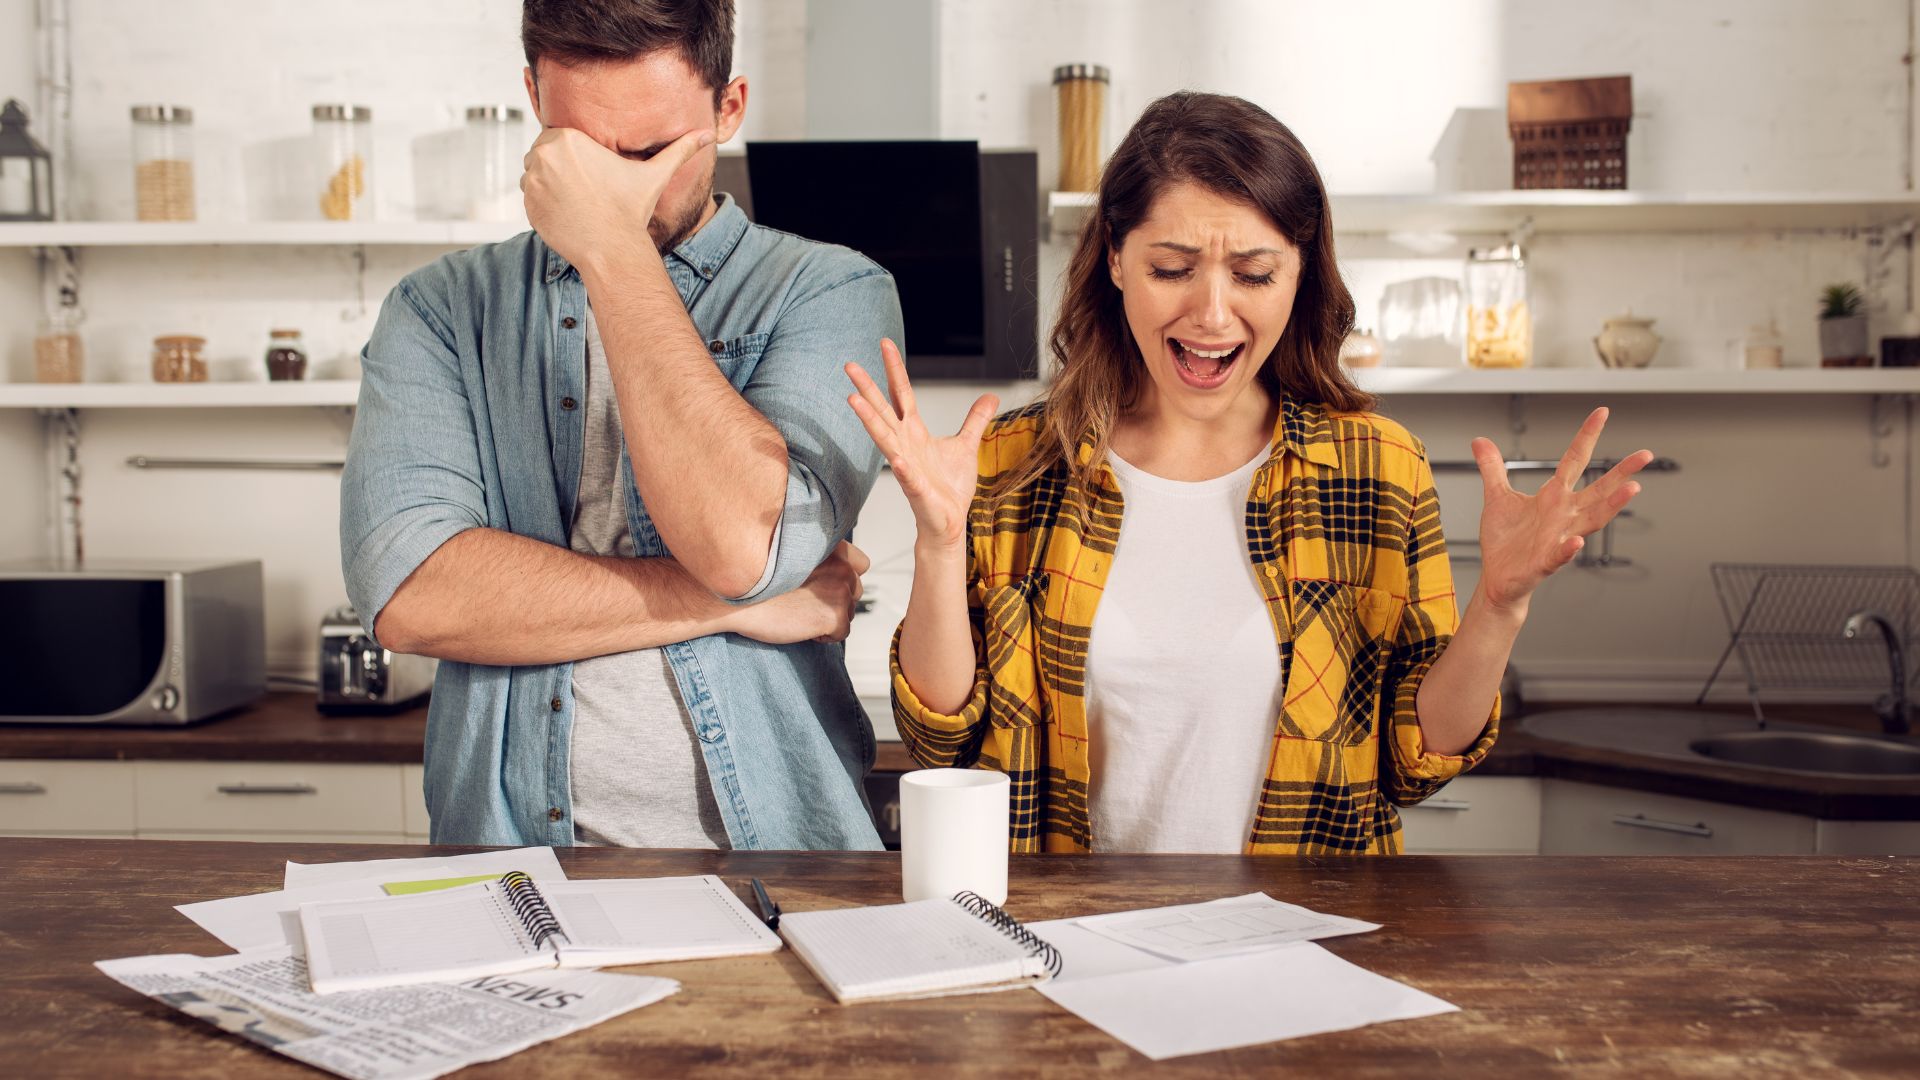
(408, 888)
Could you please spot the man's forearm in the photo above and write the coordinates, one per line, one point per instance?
(1457, 694)
(711, 470)
(491, 597)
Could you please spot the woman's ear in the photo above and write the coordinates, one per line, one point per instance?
(1113, 268)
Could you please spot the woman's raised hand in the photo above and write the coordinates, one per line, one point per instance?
(1525, 538)
(937, 474)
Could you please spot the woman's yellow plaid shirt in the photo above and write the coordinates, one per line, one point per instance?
(1343, 529)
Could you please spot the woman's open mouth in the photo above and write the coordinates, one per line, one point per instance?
(1204, 365)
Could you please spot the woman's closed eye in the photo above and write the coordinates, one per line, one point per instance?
(1182, 273)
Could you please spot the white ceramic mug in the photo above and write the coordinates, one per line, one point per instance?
(953, 833)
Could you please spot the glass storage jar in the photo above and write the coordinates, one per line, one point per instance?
(1499, 320)
(496, 148)
(58, 354)
(1080, 91)
(286, 356)
(180, 358)
(343, 159)
(163, 163)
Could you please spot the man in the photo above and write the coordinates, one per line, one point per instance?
(605, 472)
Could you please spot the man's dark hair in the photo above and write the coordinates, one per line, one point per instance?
(580, 31)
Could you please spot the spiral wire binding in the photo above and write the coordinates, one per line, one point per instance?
(530, 908)
(996, 916)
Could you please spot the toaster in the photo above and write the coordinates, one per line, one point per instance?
(358, 676)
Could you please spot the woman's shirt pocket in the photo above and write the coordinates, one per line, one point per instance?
(1340, 641)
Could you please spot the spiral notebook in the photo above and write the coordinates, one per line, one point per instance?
(517, 924)
(927, 948)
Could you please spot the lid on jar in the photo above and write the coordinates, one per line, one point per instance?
(191, 341)
(1512, 253)
(1071, 72)
(283, 333)
(163, 114)
(342, 112)
(504, 113)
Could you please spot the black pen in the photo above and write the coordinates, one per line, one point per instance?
(769, 911)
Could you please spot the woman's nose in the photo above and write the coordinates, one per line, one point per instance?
(1211, 310)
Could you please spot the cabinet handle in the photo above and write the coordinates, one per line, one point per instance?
(23, 789)
(1443, 804)
(267, 789)
(1642, 821)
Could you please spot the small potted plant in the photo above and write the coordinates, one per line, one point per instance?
(1843, 329)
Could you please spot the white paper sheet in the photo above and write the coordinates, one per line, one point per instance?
(537, 863)
(262, 920)
(1087, 955)
(1228, 927)
(1279, 993)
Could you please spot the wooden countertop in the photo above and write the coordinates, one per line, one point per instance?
(1611, 966)
(287, 727)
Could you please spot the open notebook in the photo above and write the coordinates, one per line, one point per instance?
(927, 948)
(516, 924)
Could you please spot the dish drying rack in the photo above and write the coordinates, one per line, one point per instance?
(1785, 622)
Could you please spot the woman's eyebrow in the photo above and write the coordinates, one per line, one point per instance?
(1248, 254)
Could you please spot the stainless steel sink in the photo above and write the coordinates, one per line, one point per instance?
(1800, 751)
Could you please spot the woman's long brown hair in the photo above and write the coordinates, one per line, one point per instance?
(1237, 150)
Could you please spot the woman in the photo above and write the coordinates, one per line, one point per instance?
(1191, 597)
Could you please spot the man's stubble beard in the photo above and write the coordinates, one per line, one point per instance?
(668, 235)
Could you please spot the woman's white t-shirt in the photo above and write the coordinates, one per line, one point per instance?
(1183, 673)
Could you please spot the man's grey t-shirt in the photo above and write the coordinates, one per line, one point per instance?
(639, 779)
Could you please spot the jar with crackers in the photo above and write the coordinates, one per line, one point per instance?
(162, 163)
(343, 159)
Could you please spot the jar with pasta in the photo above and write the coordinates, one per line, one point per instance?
(162, 163)
(343, 157)
(1499, 319)
(1081, 93)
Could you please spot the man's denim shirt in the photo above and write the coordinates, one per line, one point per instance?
(469, 416)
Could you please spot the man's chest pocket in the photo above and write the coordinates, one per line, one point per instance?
(738, 357)
(1341, 637)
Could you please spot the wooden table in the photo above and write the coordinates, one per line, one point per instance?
(1622, 967)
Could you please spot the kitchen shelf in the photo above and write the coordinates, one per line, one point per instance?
(1387, 382)
(1582, 211)
(207, 395)
(255, 233)
(1391, 381)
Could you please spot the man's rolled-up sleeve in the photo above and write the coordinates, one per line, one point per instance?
(800, 388)
(412, 479)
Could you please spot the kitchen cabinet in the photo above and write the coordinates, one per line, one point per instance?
(1476, 815)
(203, 800)
(267, 797)
(1589, 819)
(66, 798)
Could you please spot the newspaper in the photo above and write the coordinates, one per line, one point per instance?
(396, 1033)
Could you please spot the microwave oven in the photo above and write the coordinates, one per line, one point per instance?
(143, 642)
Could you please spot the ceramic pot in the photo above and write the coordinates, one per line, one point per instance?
(1627, 342)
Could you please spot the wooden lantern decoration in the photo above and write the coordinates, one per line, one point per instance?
(26, 170)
